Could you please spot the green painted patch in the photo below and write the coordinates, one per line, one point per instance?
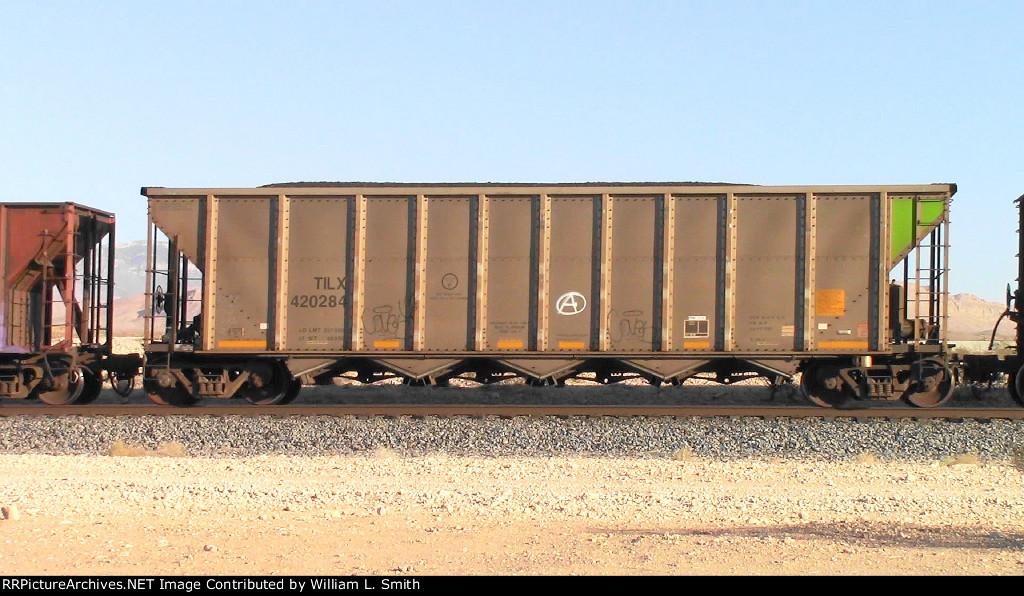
(904, 232)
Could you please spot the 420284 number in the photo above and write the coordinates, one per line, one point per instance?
(317, 301)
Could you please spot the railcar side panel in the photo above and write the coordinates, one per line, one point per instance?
(695, 273)
(842, 273)
(574, 298)
(447, 285)
(244, 291)
(389, 265)
(635, 306)
(765, 282)
(27, 232)
(505, 306)
(317, 279)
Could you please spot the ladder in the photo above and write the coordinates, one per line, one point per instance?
(928, 303)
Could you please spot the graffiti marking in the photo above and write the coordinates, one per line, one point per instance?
(571, 303)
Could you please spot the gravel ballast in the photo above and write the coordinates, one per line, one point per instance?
(727, 438)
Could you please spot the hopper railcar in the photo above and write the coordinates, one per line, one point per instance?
(56, 304)
(260, 289)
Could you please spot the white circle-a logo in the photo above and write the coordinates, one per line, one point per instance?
(571, 303)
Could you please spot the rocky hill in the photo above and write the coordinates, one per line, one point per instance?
(130, 268)
(971, 317)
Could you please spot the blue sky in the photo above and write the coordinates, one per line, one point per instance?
(100, 98)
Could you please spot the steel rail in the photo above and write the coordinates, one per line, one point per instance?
(481, 411)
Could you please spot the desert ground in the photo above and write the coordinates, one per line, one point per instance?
(162, 512)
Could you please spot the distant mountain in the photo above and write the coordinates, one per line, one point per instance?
(130, 268)
(971, 317)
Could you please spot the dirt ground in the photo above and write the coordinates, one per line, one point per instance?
(382, 514)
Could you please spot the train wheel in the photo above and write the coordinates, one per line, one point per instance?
(172, 396)
(936, 384)
(72, 390)
(93, 386)
(292, 393)
(175, 395)
(275, 386)
(821, 385)
(1014, 383)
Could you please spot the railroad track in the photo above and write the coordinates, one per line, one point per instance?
(452, 410)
